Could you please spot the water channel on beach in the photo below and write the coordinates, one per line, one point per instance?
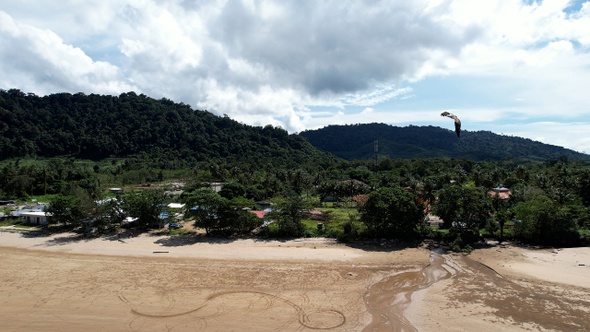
(387, 299)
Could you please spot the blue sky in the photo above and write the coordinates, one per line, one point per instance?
(512, 67)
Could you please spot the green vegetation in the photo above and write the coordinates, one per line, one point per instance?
(159, 134)
(68, 150)
(548, 205)
(180, 231)
(464, 211)
(353, 142)
(217, 214)
(9, 222)
(393, 212)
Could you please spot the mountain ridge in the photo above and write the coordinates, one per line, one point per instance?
(97, 127)
(131, 125)
(358, 142)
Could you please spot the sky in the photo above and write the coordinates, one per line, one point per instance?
(513, 67)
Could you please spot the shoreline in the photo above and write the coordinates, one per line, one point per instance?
(178, 283)
(569, 266)
(191, 246)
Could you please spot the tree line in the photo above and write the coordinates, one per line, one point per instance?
(549, 204)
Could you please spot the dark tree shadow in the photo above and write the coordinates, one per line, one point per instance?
(34, 234)
(383, 245)
(62, 240)
(190, 239)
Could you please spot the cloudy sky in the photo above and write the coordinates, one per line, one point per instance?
(513, 67)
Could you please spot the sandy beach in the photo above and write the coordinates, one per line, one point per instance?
(62, 282)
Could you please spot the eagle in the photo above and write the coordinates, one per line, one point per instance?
(457, 121)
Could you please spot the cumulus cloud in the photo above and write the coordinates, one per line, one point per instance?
(38, 60)
(334, 46)
(299, 64)
(376, 96)
(321, 50)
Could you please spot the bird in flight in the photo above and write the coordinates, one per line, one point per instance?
(457, 121)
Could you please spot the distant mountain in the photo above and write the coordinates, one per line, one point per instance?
(98, 127)
(357, 142)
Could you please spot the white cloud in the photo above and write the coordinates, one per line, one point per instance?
(322, 50)
(554, 133)
(376, 96)
(38, 61)
(367, 111)
(307, 64)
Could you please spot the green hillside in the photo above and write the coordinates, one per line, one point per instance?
(356, 142)
(96, 127)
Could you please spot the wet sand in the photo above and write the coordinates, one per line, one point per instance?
(508, 289)
(159, 283)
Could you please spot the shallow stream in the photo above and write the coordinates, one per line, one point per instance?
(387, 299)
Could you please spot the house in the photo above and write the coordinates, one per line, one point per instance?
(260, 214)
(34, 217)
(215, 186)
(502, 193)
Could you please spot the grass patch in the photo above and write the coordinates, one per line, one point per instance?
(16, 223)
(4, 222)
(340, 213)
(311, 228)
(179, 231)
(41, 198)
(26, 226)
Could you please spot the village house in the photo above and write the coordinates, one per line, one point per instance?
(501, 192)
(34, 217)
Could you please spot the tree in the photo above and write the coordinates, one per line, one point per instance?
(288, 212)
(232, 189)
(393, 212)
(501, 213)
(203, 205)
(584, 187)
(242, 221)
(218, 214)
(146, 206)
(65, 210)
(501, 217)
(108, 215)
(464, 210)
(543, 221)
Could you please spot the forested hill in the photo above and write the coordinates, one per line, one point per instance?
(357, 142)
(97, 126)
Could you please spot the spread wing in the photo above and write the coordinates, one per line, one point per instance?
(456, 119)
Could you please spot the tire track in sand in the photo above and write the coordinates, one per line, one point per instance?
(318, 319)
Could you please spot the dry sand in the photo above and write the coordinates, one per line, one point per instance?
(184, 283)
